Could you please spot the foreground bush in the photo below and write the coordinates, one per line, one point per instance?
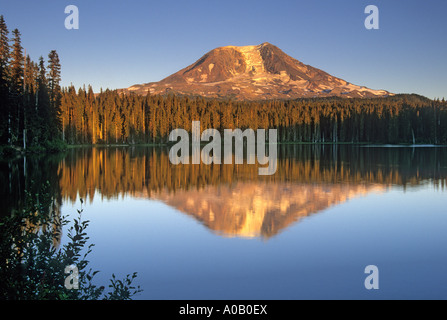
(33, 267)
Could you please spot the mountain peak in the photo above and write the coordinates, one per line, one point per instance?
(254, 72)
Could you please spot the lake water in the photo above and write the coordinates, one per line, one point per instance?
(224, 232)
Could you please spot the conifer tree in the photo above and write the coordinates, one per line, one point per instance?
(43, 100)
(16, 88)
(54, 78)
(4, 81)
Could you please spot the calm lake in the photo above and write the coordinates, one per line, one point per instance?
(224, 232)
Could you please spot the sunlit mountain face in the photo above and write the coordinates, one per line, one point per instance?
(255, 72)
(233, 200)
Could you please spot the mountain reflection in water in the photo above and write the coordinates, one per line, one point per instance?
(259, 209)
(233, 200)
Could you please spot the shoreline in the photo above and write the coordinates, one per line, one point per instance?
(16, 151)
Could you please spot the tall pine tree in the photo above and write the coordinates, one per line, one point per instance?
(54, 78)
(16, 87)
(4, 81)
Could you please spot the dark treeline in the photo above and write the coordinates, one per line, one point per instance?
(30, 95)
(36, 112)
(111, 117)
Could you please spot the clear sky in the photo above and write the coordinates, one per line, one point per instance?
(121, 43)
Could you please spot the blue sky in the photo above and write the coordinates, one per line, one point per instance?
(121, 43)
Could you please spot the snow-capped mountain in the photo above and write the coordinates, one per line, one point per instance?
(251, 73)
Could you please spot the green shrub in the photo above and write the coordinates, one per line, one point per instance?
(32, 265)
(54, 146)
(7, 151)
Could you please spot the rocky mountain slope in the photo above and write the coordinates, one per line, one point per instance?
(253, 73)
